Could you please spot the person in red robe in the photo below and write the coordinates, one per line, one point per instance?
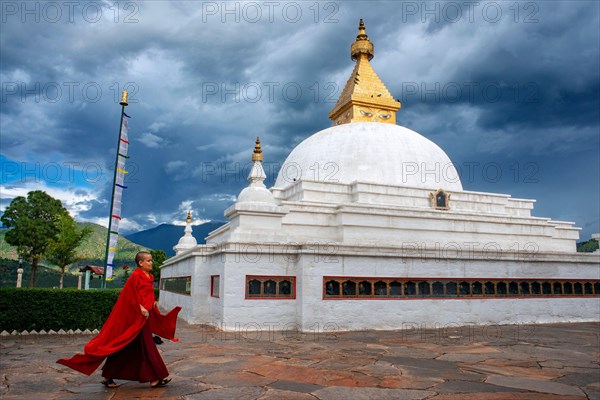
(125, 340)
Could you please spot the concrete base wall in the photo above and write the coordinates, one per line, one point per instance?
(309, 311)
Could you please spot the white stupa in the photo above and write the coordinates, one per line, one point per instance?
(187, 241)
(368, 227)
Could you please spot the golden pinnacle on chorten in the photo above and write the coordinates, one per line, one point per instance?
(257, 154)
(364, 98)
(189, 217)
(362, 45)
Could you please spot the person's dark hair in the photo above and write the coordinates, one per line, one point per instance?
(138, 257)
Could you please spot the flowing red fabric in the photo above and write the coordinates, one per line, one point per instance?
(124, 323)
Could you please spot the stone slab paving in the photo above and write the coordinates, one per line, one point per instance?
(535, 385)
(526, 362)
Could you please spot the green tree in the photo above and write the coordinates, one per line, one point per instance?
(61, 250)
(587, 247)
(158, 258)
(31, 223)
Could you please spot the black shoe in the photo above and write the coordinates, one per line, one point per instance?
(161, 383)
(109, 383)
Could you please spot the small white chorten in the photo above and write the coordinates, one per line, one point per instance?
(255, 215)
(256, 192)
(187, 241)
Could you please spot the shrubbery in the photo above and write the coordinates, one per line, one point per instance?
(37, 309)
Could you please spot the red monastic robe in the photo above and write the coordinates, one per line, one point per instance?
(124, 323)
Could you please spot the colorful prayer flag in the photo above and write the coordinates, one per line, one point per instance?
(115, 213)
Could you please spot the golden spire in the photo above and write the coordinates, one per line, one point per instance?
(189, 217)
(364, 98)
(257, 154)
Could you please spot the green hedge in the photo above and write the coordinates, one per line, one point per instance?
(37, 309)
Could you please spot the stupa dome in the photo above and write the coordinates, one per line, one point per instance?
(370, 152)
(256, 195)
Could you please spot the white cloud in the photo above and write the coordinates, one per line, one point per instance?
(129, 225)
(180, 216)
(195, 222)
(97, 220)
(185, 206)
(175, 166)
(156, 126)
(206, 146)
(75, 200)
(219, 197)
(151, 140)
(17, 76)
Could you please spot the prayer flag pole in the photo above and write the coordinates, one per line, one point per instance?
(112, 236)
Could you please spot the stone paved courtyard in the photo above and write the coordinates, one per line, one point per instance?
(558, 361)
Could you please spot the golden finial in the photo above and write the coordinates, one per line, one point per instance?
(362, 45)
(362, 32)
(189, 217)
(257, 154)
(123, 98)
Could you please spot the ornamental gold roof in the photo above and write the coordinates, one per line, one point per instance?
(364, 98)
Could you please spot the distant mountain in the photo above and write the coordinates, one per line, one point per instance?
(165, 236)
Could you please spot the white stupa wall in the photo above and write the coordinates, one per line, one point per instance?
(311, 312)
(212, 314)
(379, 315)
(356, 314)
(252, 313)
(168, 300)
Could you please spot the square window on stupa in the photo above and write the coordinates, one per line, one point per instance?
(332, 288)
(349, 288)
(380, 288)
(557, 288)
(501, 288)
(364, 288)
(395, 288)
(270, 287)
(451, 289)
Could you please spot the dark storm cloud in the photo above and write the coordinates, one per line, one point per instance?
(204, 83)
(519, 77)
